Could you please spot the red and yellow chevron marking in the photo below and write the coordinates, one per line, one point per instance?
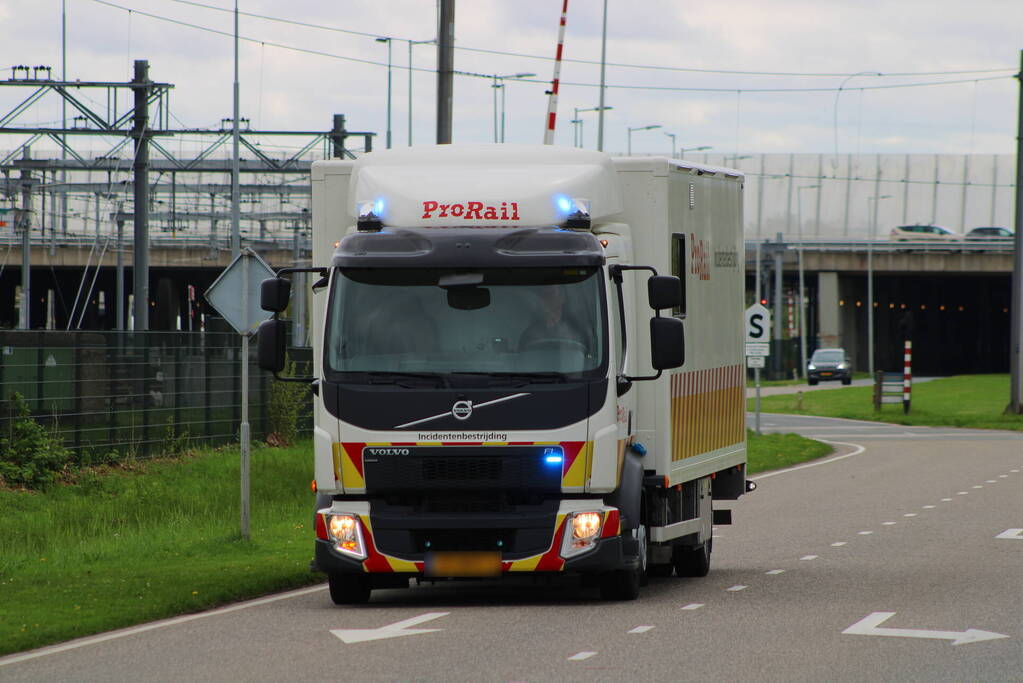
(708, 410)
(550, 561)
(378, 562)
(575, 470)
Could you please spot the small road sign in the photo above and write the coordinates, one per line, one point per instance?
(758, 323)
(226, 292)
(758, 349)
(756, 362)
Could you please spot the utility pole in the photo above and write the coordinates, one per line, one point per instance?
(1015, 406)
(445, 70)
(236, 235)
(603, 68)
(25, 222)
(140, 270)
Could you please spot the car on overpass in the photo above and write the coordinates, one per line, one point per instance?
(990, 234)
(829, 364)
(923, 233)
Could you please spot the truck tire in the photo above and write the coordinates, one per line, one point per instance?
(692, 561)
(812, 382)
(348, 589)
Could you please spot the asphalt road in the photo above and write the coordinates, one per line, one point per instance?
(899, 558)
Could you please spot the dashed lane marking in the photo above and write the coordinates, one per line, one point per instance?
(910, 514)
(864, 533)
(737, 588)
(889, 523)
(808, 557)
(946, 500)
(774, 572)
(929, 507)
(693, 605)
(838, 544)
(640, 629)
(579, 656)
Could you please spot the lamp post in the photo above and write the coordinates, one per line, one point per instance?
(580, 120)
(656, 125)
(576, 126)
(388, 41)
(672, 136)
(410, 44)
(870, 278)
(838, 94)
(802, 288)
(499, 84)
(682, 151)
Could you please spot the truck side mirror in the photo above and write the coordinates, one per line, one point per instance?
(274, 294)
(270, 340)
(667, 342)
(664, 291)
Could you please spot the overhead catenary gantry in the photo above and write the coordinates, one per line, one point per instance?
(148, 133)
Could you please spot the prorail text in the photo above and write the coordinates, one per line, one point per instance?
(507, 211)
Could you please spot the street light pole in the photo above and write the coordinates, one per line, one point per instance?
(672, 136)
(870, 279)
(683, 150)
(802, 288)
(499, 84)
(579, 111)
(656, 125)
(388, 41)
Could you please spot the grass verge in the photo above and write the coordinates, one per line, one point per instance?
(774, 451)
(974, 401)
(123, 547)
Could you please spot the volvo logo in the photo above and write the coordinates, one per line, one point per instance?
(462, 410)
(384, 451)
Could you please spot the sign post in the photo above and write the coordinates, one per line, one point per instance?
(234, 296)
(758, 347)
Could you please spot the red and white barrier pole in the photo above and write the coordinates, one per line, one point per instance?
(907, 376)
(552, 101)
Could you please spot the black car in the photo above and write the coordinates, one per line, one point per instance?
(828, 364)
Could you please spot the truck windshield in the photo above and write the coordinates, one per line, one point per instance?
(534, 323)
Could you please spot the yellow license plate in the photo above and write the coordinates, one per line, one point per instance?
(464, 564)
(827, 374)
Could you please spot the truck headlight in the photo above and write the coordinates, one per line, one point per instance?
(811, 366)
(582, 529)
(345, 532)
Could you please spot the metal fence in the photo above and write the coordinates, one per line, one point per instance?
(133, 393)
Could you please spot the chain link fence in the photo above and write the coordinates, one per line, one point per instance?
(110, 395)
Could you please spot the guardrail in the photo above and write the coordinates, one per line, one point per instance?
(883, 246)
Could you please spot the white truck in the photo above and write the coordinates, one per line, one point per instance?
(502, 384)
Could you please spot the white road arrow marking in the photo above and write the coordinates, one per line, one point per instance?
(1011, 533)
(870, 626)
(401, 628)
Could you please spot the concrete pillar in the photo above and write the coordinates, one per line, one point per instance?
(828, 314)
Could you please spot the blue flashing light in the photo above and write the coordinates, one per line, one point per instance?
(378, 207)
(553, 455)
(564, 204)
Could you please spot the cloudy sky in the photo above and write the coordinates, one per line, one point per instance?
(746, 76)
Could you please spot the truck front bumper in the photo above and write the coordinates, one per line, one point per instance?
(609, 551)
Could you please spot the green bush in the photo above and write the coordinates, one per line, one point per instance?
(287, 404)
(30, 456)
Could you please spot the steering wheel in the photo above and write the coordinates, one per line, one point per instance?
(555, 343)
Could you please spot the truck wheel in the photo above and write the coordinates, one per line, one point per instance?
(847, 381)
(691, 561)
(812, 382)
(621, 584)
(348, 589)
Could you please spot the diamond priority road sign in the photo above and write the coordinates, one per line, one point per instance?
(227, 293)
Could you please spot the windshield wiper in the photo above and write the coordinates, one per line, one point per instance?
(396, 377)
(521, 377)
